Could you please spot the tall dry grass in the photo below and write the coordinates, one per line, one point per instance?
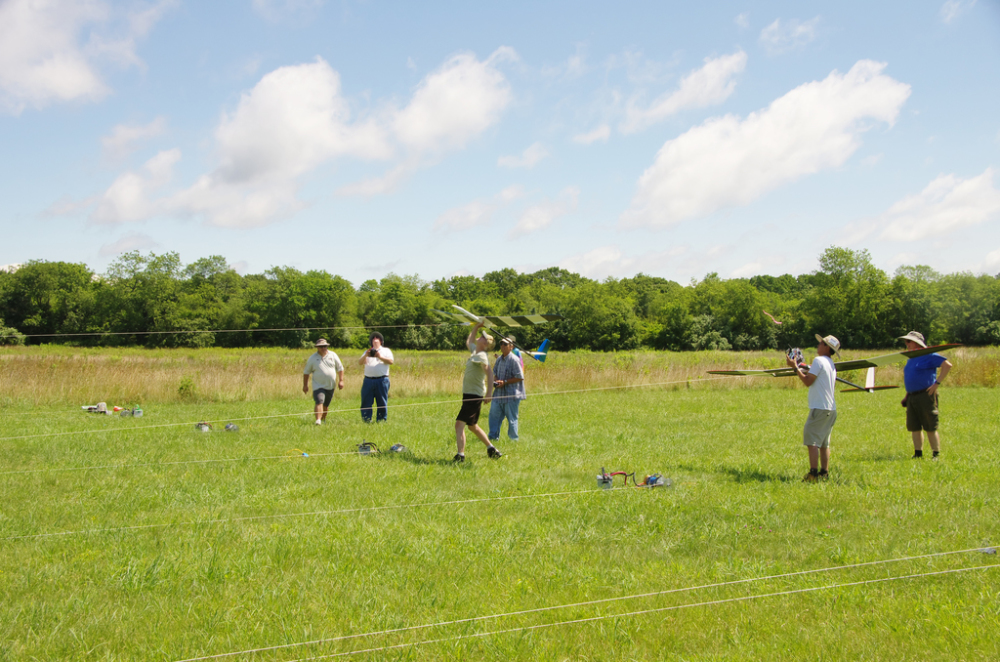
(31, 376)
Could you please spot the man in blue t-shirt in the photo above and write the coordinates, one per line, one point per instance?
(921, 379)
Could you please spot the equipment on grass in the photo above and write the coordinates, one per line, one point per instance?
(99, 408)
(203, 426)
(232, 427)
(367, 448)
(845, 366)
(399, 448)
(605, 480)
(134, 411)
(295, 452)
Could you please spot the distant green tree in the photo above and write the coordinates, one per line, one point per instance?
(598, 317)
(44, 298)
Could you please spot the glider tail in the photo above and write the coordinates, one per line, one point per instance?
(542, 351)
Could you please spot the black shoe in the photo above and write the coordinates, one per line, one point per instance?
(917, 456)
(458, 458)
(936, 455)
(824, 474)
(494, 453)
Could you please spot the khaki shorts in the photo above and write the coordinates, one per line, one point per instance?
(921, 412)
(818, 427)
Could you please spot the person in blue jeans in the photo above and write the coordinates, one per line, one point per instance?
(922, 381)
(508, 391)
(376, 360)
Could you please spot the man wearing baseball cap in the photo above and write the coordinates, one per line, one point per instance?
(326, 369)
(921, 379)
(821, 379)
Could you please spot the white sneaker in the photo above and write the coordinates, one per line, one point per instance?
(319, 421)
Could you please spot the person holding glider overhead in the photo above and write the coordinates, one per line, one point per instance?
(921, 379)
(820, 379)
(477, 388)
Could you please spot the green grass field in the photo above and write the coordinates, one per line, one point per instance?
(176, 544)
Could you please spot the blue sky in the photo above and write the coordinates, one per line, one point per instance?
(362, 138)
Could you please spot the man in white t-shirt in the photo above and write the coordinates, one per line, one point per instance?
(821, 379)
(376, 360)
(326, 370)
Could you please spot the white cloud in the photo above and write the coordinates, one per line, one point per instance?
(601, 133)
(478, 212)
(540, 216)
(607, 261)
(528, 158)
(709, 85)
(992, 260)
(124, 137)
(947, 204)
(130, 242)
(781, 37)
(44, 60)
(129, 198)
(952, 9)
(455, 103)
(743, 20)
(574, 67)
(727, 162)
(296, 119)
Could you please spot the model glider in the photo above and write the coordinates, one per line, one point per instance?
(466, 318)
(846, 366)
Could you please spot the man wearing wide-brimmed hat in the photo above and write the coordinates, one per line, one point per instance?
(326, 370)
(820, 379)
(921, 379)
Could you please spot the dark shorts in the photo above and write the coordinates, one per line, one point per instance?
(471, 406)
(323, 396)
(921, 412)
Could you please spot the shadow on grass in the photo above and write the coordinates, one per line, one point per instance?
(754, 475)
(413, 459)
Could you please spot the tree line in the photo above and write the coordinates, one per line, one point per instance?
(847, 296)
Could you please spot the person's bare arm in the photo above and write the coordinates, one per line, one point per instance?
(474, 333)
(305, 383)
(806, 377)
(340, 377)
(489, 384)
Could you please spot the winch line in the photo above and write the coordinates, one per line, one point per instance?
(355, 409)
(587, 603)
(314, 513)
(593, 619)
(164, 333)
(165, 464)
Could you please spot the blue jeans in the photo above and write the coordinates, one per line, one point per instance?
(376, 389)
(500, 409)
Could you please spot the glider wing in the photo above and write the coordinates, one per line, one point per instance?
(465, 317)
(889, 359)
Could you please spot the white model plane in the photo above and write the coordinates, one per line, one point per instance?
(466, 318)
(846, 366)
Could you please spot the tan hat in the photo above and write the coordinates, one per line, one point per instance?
(322, 343)
(916, 337)
(830, 342)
